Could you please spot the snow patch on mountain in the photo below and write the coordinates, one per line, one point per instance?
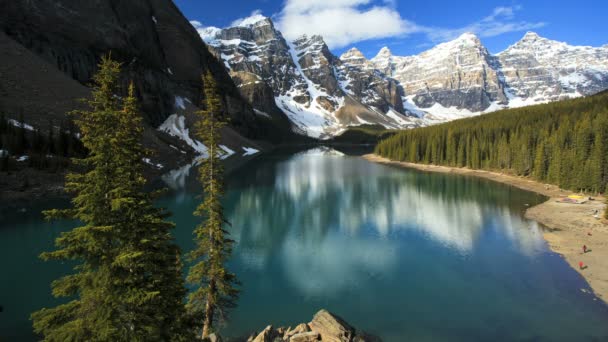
(322, 95)
(20, 124)
(175, 125)
(180, 102)
(249, 151)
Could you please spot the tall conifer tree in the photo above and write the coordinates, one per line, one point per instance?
(127, 282)
(216, 287)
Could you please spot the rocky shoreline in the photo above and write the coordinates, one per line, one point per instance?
(324, 326)
(568, 226)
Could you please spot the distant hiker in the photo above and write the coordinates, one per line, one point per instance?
(584, 248)
(581, 265)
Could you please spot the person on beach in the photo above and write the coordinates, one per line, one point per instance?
(584, 249)
(581, 265)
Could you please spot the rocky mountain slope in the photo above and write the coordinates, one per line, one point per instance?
(322, 94)
(538, 69)
(457, 74)
(57, 44)
(461, 78)
(271, 87)
(319, 92)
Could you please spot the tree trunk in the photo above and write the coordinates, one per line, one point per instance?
(209, 311)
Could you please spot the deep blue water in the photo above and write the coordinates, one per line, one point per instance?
(399, 253)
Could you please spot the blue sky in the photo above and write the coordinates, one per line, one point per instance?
(410, 27)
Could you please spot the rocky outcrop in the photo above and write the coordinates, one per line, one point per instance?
(461, 78)
(324, 326)
(539, 70)
(320, 93)
(362, 80)
(457, 74)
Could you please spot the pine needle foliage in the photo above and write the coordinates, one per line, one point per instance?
(127, 283)
(215, 287)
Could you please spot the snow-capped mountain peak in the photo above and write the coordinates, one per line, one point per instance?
(353, 54)
(253, 20)
(319, 93)
(322, 94)
(468, 37)
(209, 34)
(530, 36)
(385, 52)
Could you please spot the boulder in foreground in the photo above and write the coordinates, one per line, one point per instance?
(324, 326)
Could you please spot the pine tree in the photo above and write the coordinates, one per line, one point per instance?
(216, 287)
(540, 161)
(148, 266)
(127, 282)
(21, 145)
(3, 124)
(50, 139)
(563, 143)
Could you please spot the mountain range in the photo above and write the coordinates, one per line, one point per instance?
(273, 90)
(323, 94)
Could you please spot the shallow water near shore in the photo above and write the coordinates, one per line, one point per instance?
(399, 253)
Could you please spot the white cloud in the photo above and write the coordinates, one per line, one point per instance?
(502, 20)
(342, 22)
(345, 22)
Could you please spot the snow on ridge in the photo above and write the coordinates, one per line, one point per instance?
(20, 124)
(149, 162)
(262, 113)
(180, 102)
(397, 117)
(227, 152)
(175, 125)
(249, 151)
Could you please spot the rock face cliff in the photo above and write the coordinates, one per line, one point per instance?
(159, 49)
(457, 74)
(538, 69)
(320, 93)
(461, 78)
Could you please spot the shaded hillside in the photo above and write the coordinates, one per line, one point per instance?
(563, 143)
(160, 51)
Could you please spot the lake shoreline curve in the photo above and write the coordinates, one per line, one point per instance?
(567, 226)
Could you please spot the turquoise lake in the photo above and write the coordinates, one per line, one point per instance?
(401, 254)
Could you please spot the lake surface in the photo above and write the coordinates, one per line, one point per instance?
(401, 254)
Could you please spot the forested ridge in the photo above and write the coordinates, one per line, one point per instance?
(49, 150)
(562, 143)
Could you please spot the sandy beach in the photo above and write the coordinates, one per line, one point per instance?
(568, 226)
